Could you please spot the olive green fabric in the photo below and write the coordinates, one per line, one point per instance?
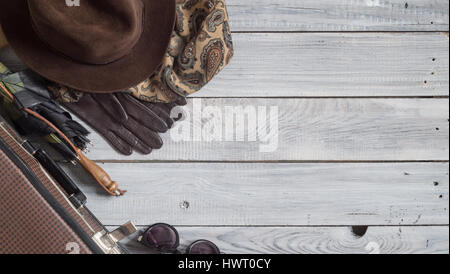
(29, 91)
(200, 47)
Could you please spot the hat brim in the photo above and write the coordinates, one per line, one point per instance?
(127, 72)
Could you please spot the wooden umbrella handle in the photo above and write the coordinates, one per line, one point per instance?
(97, 172)
(100, 175)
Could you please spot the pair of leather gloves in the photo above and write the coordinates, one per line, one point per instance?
(127, 123)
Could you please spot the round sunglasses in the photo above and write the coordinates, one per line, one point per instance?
(164, 238)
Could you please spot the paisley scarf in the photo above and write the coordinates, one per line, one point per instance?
(200, 47)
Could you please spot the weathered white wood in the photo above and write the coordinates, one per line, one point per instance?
(315, 240)
(335, 64)
(311, 65)
(331, 64)
(342, 15)
(315, 130)
(273, 194)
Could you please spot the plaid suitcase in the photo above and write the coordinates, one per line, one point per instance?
(37, 215)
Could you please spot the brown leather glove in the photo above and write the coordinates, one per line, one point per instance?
(127, 124)
(163, 110)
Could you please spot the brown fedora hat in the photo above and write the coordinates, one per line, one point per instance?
(98, 46)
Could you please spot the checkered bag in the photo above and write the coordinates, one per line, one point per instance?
(37, 216)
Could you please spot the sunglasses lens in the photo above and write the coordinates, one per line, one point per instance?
(161, 237)
(203, 247)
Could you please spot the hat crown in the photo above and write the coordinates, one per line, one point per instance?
(96, 32)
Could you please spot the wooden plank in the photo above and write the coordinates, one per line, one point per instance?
(315, 240)
(330, 65)
(335, 65)
(308, 130)
(199, 194)
(342, 15)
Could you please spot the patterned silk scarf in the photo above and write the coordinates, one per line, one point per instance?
(200, 47)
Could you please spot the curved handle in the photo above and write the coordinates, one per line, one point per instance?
(100, 175)
(97, 172)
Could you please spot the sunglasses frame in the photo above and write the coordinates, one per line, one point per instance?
(175, 250)
(188, 249)
(144, 240)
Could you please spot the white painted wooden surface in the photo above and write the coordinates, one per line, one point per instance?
(362, 91)
(413, 197)
(339, 15)
(335, 65)
(316, 240)
(319, 130)
(247, 194)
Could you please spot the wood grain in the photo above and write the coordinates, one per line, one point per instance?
(257, 203)
(342, 15)
(313, 130)
(315, 240)
(335, 65)
(199, 194)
